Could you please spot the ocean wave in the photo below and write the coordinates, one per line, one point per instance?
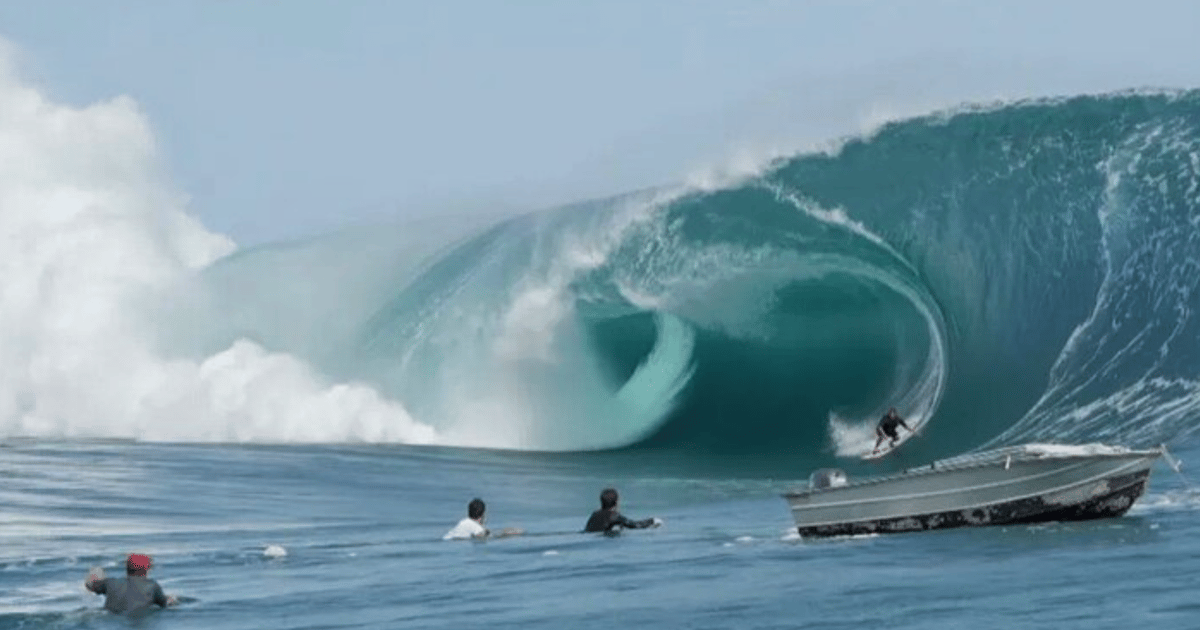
(1000, 273)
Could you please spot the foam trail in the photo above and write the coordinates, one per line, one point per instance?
(856, 436)
(92, 233)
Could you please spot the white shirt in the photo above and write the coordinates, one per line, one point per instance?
(466, 528)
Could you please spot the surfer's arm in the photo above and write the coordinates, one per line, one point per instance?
(162, 599)
(632, 524)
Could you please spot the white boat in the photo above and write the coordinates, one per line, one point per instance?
(1020, 484)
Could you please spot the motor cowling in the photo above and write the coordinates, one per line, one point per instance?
(826, 478)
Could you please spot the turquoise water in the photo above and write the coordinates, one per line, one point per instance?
(1043, 249)
(1001, 274)
(361, 528)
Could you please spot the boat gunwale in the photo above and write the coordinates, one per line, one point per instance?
(994, 458)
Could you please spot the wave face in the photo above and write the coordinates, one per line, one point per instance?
(1024, 271)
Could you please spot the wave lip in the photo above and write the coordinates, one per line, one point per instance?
(623, 322)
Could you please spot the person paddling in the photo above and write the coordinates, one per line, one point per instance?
(134, 592)
(607, 518)
(472, 526)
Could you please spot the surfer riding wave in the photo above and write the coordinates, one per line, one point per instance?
(887, 429)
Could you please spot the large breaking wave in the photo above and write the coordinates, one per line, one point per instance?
(1019, 271)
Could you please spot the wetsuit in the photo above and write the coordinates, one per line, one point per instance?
(128, 594)
(606, 520)
(889, 423)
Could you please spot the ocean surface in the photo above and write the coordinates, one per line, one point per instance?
(278, 538)
(290, 428)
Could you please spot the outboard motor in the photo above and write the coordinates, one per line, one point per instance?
(825, 478)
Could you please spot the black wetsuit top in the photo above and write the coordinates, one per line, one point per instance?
(127, 594)
(889, 423)
(605, 520)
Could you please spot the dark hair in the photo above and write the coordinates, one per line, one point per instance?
(475, 508)
(608, 498)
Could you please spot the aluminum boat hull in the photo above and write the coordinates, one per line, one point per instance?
(1007, 486)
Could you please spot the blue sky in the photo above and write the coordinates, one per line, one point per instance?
(283, 119)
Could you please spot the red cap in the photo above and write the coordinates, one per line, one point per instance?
(138, 562)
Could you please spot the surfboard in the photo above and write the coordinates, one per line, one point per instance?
(884, 448)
